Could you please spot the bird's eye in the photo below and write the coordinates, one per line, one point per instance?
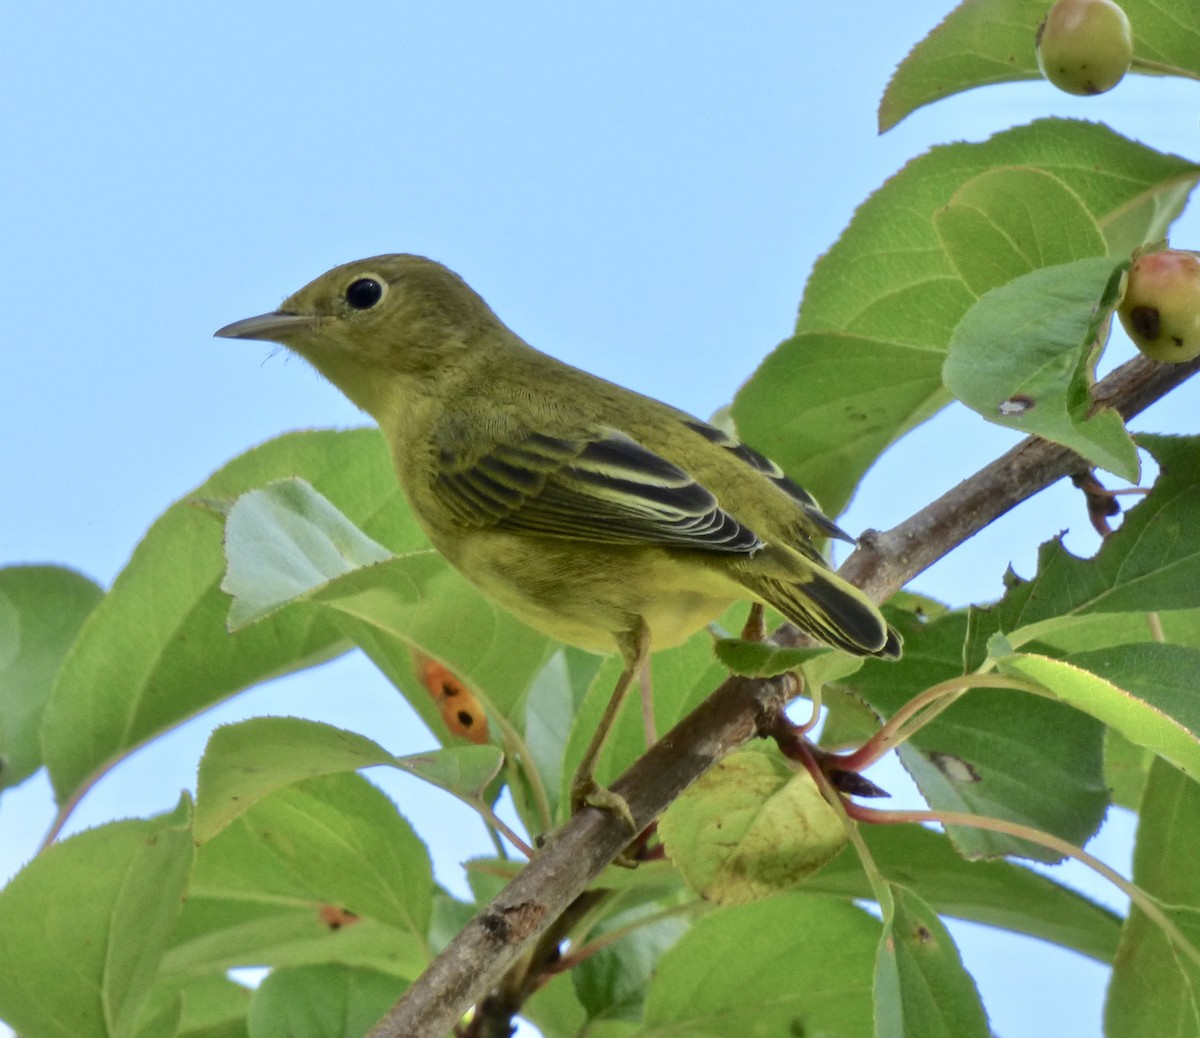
(364, 293)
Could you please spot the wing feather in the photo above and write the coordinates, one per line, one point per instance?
(607, 488)
(761, 463)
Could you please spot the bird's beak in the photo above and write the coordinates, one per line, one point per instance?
(273, 327)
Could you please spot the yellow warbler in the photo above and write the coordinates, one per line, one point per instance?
(609, 520)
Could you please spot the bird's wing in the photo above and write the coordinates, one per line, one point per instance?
(761, 463)
(604, 487)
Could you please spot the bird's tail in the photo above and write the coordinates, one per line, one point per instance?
(833, 611)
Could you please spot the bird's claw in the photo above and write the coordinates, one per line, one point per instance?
(587, 792)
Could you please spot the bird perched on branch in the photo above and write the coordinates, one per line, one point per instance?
(604, 518)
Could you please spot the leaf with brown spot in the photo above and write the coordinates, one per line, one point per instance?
(461, 710)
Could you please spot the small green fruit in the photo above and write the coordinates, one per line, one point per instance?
(1085, 46)
(1161, 308)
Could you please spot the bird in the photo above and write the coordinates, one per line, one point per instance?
(604, 518)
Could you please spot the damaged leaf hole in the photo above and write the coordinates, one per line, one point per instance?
(954, 768)
(1016, 405)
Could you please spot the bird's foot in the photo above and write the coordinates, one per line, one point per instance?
(587, 792)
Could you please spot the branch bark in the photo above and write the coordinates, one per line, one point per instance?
(475, 961)
(885, 562)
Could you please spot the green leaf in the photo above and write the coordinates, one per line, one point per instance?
(994, 893)
(1166, 37)
(1151, 563)
(614, 1029)
(1050, 776)
(448, 917)
(244, 762)
(213, 1006)
(992, 41)
(488, 876)
(1126, 766)
(997, 752)
(1155, 990)
(155, 650)
(328, 1001)
(144, 914)
(219, 933)
(555, 1010)
(86, 924)
(417, 602)
(825, 669)
(162, 1022)
(865, 363)
(612, 983)
(555, 696)
(1167, 722)
(41, 611)
(334, 840)
(466, 771)
(750, 827)
(921, 987)
(792, 964)
(849, 720)
(825, 405)
(979, 42)
(321, 870)
(281, 541)
(1023, 357)
(421, 602)
(1088, 631)
(391, 605)
(1165, 677)
(1013, 220)
(760, 659)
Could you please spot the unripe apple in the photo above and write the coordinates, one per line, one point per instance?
(1084, 46)
(1161, 308)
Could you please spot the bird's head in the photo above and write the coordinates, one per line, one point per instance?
(397, 313)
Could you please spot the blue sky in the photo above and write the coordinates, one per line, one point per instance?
(638, 189)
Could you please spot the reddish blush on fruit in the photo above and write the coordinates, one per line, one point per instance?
(1161, 307)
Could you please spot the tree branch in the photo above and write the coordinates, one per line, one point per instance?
(474, 962)
(885, 562)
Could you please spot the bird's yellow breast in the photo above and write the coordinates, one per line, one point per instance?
(584, 596)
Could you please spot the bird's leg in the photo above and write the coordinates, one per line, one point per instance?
(585, 791)
(646, 688)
